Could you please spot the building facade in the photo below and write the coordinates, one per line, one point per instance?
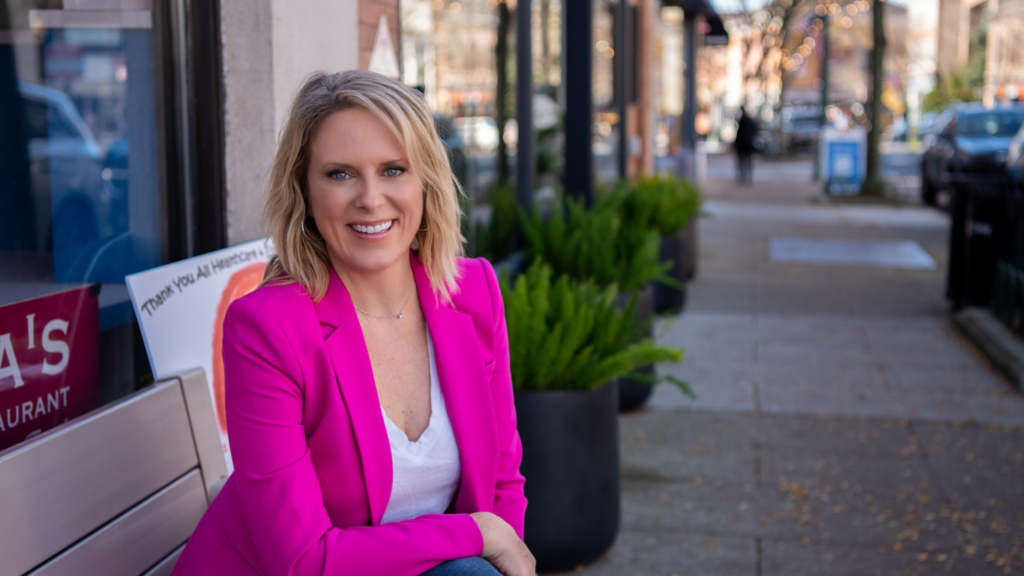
(138, 133)
(1004, 63)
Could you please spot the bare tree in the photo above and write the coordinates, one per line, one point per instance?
(768, 29)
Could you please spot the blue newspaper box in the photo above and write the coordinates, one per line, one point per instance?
(844, 158)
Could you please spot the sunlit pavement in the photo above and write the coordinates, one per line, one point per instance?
(842, 426)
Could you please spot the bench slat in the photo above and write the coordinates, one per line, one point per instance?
(70, 482)
(127, 546)
(166, 566)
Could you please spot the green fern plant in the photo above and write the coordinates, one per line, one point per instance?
(662, 203)
(570, 335)
(595, 245)
(498, 238)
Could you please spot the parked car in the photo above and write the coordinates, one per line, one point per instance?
(1015, 157)
(479, 133)
(898, 131)
(927, 121)
(72, 200)
(967, 138)
(800, 128)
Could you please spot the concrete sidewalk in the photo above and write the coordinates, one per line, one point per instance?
(842, 427)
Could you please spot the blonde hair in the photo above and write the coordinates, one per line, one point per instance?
(302, 256)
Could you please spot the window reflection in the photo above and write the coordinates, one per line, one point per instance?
(76, 104)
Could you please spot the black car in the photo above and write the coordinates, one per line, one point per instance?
(1015, 158)
(800, 128)
(967, 138)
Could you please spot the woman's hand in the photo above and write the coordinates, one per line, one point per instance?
(502, 546)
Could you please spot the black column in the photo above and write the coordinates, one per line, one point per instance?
(622, 56)
(525, 157)
(690, 78)
(501, 68)
(579, 102)
(208, 100)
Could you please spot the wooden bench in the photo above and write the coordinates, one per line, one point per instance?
(117, 491)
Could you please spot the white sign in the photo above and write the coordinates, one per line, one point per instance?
(383, 59)
(181, 308)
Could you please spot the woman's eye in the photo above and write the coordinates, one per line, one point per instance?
(338, 175)
(393, 171)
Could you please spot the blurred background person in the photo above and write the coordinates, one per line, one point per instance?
(745, 145)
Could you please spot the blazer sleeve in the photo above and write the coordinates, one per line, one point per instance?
(509, 501)
(278, 486)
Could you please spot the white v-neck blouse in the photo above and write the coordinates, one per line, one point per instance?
(426, 472)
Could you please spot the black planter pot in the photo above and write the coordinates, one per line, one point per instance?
(691, 250)
(571, 464)
(634, 393)
(674, 247)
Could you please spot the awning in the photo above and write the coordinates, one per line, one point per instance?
(716, 33)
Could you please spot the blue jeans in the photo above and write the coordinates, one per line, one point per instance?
(474, 566)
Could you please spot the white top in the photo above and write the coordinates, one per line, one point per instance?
(427, 471)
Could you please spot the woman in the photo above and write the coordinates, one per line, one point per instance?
(369, 398)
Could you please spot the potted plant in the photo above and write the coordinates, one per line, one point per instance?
(669, 206)
(497, 239)
(604, 247)
(594, 245)
(568, 342)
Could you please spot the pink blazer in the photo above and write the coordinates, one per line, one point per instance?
(312, 460)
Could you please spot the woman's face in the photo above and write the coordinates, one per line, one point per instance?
(363, 194)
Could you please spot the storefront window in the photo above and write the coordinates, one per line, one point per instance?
(448, 48)
(547, 42)
(548, 99)
(80, 203)
(670, 82)
(606, 117)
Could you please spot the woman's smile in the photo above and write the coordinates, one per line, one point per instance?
(373, 230)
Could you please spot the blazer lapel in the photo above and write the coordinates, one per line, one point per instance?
(467, 394)
(347, 350)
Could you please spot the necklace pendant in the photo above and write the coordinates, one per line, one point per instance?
(400, 316)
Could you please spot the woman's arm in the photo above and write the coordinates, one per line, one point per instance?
(509, 502)
(278, 485)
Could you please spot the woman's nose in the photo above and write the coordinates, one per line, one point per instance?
(371, 195)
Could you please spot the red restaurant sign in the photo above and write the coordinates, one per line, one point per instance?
(49, 362)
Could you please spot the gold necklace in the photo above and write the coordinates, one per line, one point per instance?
(399, 315)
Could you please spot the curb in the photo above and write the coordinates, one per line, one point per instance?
(858, 200)
(1005, 350)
